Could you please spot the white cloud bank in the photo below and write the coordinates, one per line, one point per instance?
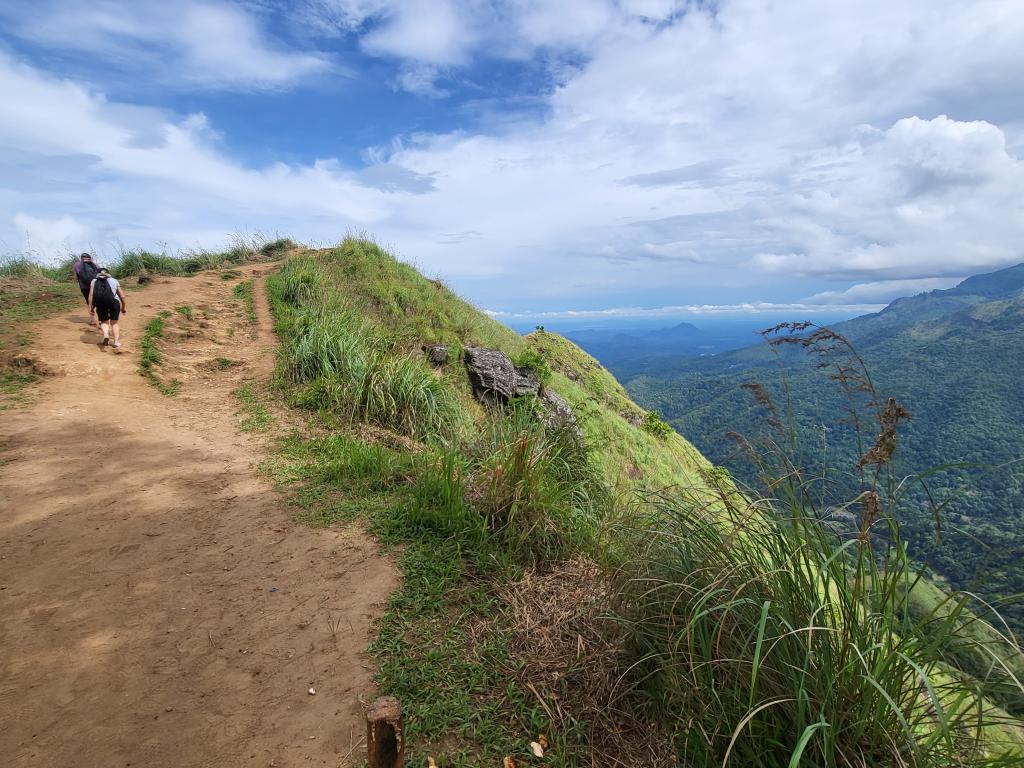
(688, 153)
(748, 308)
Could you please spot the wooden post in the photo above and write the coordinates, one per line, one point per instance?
(385, 741)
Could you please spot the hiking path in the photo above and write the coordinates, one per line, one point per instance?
(158, 605)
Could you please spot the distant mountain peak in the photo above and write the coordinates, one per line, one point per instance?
(1001, 284)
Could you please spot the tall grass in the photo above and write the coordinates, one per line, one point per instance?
(764, 634)
(23, 267)
(134, 262)
(535, 485)
(349, 368)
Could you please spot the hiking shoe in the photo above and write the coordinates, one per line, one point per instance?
(106, 340)
(117, 345)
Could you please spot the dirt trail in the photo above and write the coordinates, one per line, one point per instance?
(157, 605)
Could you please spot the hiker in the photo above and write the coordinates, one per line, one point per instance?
(107, 300)
(85, 272)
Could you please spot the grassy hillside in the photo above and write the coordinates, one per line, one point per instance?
(607, 593)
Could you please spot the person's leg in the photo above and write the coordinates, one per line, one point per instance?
(116, 330)
(85, 295)
(104, 316)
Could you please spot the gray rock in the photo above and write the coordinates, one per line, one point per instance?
(636, 418)
(495, 378)
(557, 413)
(437, 354)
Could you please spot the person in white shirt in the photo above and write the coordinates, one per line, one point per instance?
(107, 301)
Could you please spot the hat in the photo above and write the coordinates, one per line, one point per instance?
(104, 272)
(86, 256)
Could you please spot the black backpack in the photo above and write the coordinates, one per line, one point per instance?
(87, 272)
(101, 293)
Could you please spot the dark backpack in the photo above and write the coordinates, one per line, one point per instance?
(101, 293)
(87, 272)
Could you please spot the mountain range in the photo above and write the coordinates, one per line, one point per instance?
(953, 358)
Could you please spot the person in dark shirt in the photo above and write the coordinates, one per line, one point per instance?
(86, 270)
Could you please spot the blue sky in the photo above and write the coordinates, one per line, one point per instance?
(585, 158)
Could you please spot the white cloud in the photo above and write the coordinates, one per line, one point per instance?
(934, 197)
(152, 177)
(183, 42)
(690, 153)
(50, 237)
(883, 291)
(746, 308)
(431, 31)
(421, 79)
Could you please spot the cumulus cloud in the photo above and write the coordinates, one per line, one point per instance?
(940, 196)
(151, 176)
(684, 153)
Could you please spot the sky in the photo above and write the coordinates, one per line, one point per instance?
(551, 159)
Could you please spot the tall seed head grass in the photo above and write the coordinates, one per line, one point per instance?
(766, 636)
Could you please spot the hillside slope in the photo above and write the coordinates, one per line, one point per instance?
(591, 582)
(954, 358)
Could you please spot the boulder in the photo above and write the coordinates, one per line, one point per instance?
(495, 378)
(437, 354)
(557, 413)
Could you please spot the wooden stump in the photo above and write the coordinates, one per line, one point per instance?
(385, 741)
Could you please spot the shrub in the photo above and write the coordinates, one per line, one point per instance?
(274, 249)
(653, 424)
(532, 360)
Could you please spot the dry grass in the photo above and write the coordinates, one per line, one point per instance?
(565, 650)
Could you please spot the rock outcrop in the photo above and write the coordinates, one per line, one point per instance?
(437, 354)
(495, 378)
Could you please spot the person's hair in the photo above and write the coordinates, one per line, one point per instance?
(86, 256)
(104, 271)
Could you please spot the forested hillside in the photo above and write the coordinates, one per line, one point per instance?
(954, 358)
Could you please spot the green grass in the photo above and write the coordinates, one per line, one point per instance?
(28, 293)
(753, 635)
(151, 357)
(134, 262)
(184, 311)
(257, 418)
(13, 388)
(787, 646)
(245, 292)
(23, 267)
(26, 301)
(439, 647)
(341, 363)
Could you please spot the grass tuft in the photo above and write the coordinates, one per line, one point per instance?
(151, 356)
(245, 292)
